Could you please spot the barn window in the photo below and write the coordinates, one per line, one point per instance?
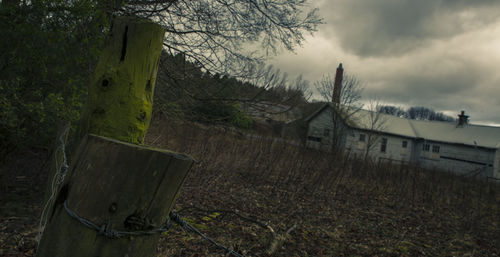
(435, 148)
(326, 132)
(362, 137)
(426, 147)
(383, 146)
(405, 144)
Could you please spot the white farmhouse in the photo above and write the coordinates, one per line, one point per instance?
(454, 146)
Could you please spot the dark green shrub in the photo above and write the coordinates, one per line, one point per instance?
(221, 112)
(48, 50)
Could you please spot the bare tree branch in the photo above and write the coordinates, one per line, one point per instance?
(350, 95)
(219, 33)
(376, 124)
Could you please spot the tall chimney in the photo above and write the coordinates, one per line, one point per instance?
(337, 87)
(462, 119)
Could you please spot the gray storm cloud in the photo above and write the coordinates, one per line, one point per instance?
(394, 27)
(442, 54)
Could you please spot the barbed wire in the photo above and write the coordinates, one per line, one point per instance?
(112, 233)
(106, 230)
(177, 219)
(59, 175)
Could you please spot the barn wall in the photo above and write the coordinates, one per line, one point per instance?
(415, 151)
(316, 137)
(394, 151)
(316, 128)
(460, 159)
(496, 165)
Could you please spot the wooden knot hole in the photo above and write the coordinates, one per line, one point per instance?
(105, 83)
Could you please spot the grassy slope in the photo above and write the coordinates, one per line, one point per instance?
(242, 190)
(280, 200)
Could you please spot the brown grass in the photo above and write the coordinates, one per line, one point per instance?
(266, 198)
(271, 198)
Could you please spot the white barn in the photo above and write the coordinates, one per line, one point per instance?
(457, 147)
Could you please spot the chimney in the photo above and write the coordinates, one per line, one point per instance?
(462, 119)
(337, 87)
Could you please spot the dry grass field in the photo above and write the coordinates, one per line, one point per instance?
(264, 198)
(268, 198)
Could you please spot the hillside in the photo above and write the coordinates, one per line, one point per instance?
(263, 198)
(280, 200)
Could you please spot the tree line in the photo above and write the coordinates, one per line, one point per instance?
(415, 113)
(185, 91)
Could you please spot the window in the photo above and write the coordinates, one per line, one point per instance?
(326, 132)
(405, 144)
(383, 146)
(435, 148)
(315, 139)
(362, 137)
(426, 147)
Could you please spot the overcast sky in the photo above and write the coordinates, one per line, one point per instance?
(442, 54)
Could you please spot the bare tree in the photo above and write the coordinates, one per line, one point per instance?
(268, 92)
(349, 104)
(287, 90)
(424, 113)
(350, 95)
(415, 113)
(217, 34)
(393, 110)
(374, 126)
(279, 94)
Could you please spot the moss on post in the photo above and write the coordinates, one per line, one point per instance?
(120, 98)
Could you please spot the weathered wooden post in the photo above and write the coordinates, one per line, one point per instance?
(117, 191)
(121, 91)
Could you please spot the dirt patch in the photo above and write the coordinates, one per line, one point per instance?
(22, 182)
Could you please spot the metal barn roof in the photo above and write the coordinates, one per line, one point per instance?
(449, 132)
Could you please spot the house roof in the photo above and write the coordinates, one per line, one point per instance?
(448, 132)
